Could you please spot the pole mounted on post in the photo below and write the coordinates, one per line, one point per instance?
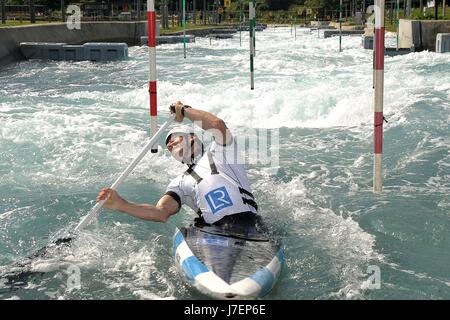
(379, 95)
(151, 34)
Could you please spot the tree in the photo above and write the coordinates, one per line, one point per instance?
(322, 4)
(279, 4)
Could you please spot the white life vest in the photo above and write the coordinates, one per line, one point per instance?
(218, 196)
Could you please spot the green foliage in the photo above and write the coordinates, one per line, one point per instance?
(317, 5)
(422, 16)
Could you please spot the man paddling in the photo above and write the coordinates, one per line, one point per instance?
(214, 185)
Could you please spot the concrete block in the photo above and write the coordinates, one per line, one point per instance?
(42, 50)
(392, 52)
(421, 35)
(99, 51)
(322, 28)
(333, 33)
(246, 28)
(169, 39)
(125, 16)
(443, 42)
(220, 36)
(367, 42)
(416, 27)
(73, 53)
(224, 31)
(113, 31)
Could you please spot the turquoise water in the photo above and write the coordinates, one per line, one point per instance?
(69, 129)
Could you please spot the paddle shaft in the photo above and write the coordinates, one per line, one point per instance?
(95, 210)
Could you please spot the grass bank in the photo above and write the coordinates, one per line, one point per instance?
(18, 23)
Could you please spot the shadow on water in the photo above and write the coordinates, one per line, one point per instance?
(20, 274)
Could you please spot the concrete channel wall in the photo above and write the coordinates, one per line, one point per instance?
(200, 32)
(421, 34)
(10, 38)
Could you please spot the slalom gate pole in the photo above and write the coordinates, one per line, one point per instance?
(151, 33)
(240, 24)
(398, 23)
(295, 29)
(251, 14)
(254, 28)
(340, 26)
(184, 27)
(379, 38)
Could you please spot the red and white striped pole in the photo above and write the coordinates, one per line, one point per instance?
(379, 95)
(151, 33)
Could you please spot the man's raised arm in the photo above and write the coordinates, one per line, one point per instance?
(208, 121)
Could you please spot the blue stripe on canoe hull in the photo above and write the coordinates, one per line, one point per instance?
(280, 255)
(193, 267)
(178, 239)
(265, 280)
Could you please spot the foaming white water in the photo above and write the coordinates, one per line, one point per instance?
(349, 249)
(66, 128)
(302, 83)
(117, 259)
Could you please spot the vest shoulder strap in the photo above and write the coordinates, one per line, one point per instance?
(194, 174)
(212, 164)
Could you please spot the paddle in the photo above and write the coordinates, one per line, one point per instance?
(14, 277)
(95, 210)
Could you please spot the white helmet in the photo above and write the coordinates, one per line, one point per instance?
(184, 131)
(180, 130)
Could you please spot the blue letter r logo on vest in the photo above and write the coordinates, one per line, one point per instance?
(218, 199)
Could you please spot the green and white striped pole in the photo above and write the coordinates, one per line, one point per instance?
(340, 26)
(398, 22)
(254, 28)
(184, 27)
(292, 25)
(251, 16)
(240, 23)
(318, 25)
(295, 29)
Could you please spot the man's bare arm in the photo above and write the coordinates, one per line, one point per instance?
(160, 212)
(166, 207)
(210, 122)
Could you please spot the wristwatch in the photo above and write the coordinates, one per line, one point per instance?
(184, 107)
